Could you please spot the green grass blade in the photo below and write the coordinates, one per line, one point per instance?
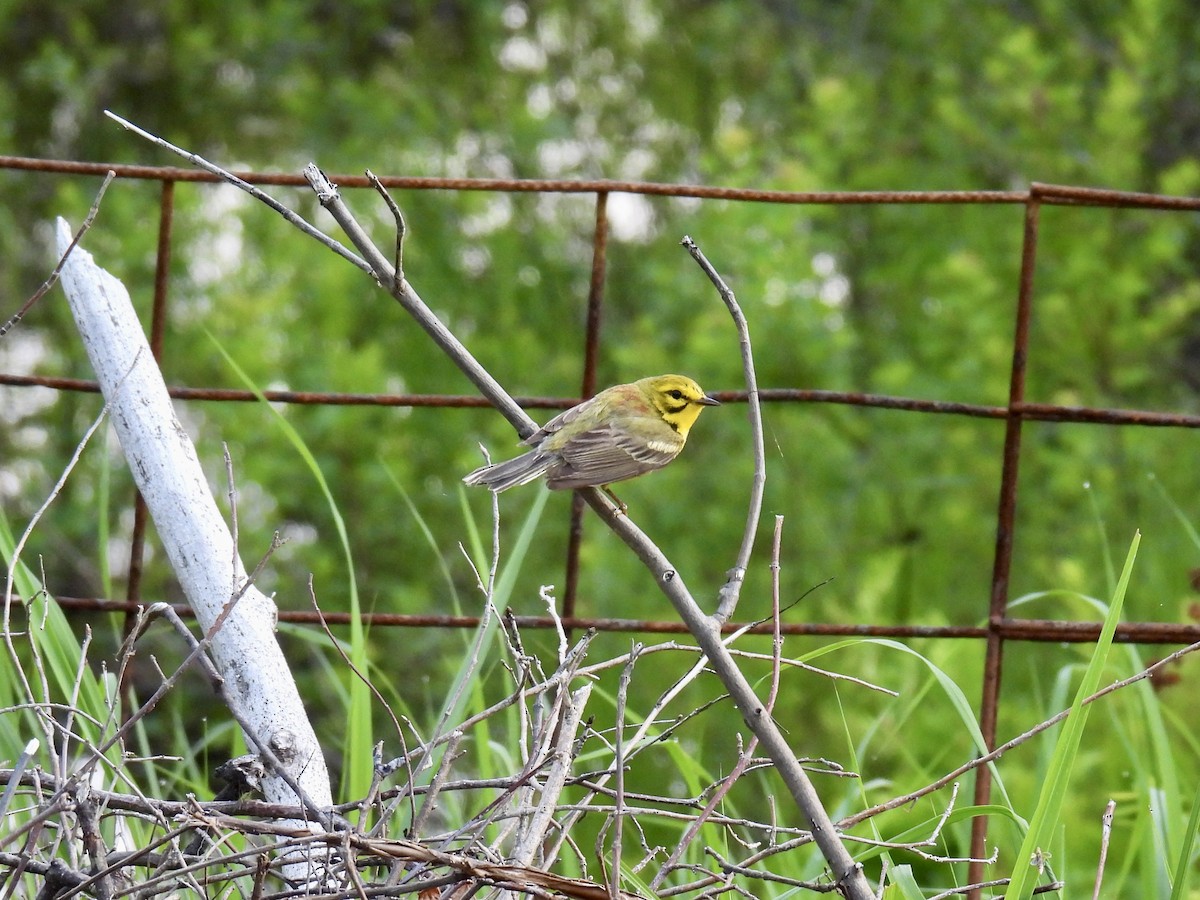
(1184, 521)
(356, 772)
(1110, 569)
(51, 636)
(902, 885)
(1181, 878)
(467, 681)
(958, 700)
(1044, 823)
(427, 533)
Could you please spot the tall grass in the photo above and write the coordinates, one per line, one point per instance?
(1045, 822)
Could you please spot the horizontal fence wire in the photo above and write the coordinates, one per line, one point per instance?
(1050, 194)
(1040, 412)
(999, 627)
(1033, 630)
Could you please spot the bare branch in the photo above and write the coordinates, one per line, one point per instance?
(383, 273)
(18, 549)
(1106, 822)
(289, 216)
(728, 595)
(62, 259)
(401, 228)
(439, 780)
(614, 885)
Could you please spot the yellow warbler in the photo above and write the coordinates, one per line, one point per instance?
(622, 432)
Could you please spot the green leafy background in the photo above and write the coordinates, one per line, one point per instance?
(897, 508)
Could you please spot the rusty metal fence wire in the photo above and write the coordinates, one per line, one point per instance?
(1000, 627)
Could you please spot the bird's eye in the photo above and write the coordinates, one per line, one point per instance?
(678, 395)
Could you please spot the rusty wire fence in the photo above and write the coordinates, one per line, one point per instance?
(1000, 627)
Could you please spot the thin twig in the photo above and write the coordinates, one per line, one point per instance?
(746, 871)
(744, 757)
(617, 661)
(401, 228)
(62, 260)
(89, 827)
(291, 217)
(614, 883)
(81, 670)
(546, 593)
(361, 676)
(776, 625)
(728, 595)
(640, 739)
(18, 549)
(1106, 823)
(556, 777)
(403, 292)
(439, 780)
(776, 848)
(167, 612)
(998, 882)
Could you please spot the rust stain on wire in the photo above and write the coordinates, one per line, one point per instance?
(522, 185)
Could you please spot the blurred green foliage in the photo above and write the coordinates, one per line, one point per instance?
(897, 508)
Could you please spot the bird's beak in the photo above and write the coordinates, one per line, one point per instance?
(708, 401)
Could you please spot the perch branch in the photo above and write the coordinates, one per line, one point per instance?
(744, 756)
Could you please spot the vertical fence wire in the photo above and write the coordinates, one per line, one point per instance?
(1006, 517)
(591, 354)
(158, 327)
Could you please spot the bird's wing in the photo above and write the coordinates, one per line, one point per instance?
(605, 454)
(564, 418)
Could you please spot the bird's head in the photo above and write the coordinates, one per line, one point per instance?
(677, 398)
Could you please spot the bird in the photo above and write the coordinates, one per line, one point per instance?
(624, 431)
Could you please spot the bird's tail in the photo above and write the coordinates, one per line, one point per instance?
(522, 470)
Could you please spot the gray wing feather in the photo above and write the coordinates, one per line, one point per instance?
(522, 470)
(605, 455)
